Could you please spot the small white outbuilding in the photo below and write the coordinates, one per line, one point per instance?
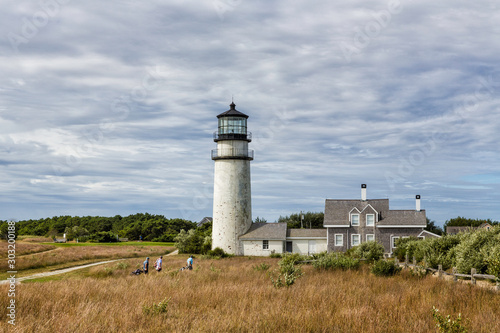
(263, 239)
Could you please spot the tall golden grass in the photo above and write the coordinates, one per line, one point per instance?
(23, 248)
(230, 296)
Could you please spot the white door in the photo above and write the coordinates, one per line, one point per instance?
(312, 246)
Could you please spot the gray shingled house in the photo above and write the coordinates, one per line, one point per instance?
(352, 222)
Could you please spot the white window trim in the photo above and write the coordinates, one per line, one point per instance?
(352, 239)
(354, 225)
(263, 244)
(421, 237)
(350, 212)
(371, 225)
(393, 241)
(335, 239)
(370, 235)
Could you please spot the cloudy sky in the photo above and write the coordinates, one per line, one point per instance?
(108, 107)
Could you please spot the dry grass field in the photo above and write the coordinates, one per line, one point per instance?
(23, 248)
(32, 255)
(229, 295)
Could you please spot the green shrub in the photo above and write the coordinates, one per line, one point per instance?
(492, 259)
(293, 258)
(448, 325)
(261, 267)
(197, 240)
(370, 251)
(287, 274)
(217, 253)
(336, 260)
(385, 268)
(275, 255)
(473, 250)
(154, 309)
(404, 246)
(316, 256)
(122, 265)
(436, 251)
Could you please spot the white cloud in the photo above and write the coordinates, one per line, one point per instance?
(108, 108)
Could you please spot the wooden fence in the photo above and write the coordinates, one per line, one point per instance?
(472, 276)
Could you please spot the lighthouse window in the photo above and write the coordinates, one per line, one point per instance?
(232, 125)
(265, 245)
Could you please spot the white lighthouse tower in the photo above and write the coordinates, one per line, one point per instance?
(232, 214)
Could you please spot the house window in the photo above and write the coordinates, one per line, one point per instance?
(394, 239)
(355, 219)
(370, 237)
(370, 220)
(339, 240)
(421, 237)
(265, 245)
(355, 239)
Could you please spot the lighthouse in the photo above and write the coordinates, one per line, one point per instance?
(232, 211)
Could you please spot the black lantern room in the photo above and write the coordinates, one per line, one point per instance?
(232, 126)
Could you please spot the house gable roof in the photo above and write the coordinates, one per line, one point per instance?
(427, 233)
(204, 220)
(337, 211)
(265, 231)
(404, 218)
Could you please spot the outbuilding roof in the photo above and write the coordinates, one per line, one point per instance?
(306, 233)
(265, 231)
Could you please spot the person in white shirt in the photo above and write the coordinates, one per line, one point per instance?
(158, 264)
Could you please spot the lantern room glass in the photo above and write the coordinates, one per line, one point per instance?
(232, 125)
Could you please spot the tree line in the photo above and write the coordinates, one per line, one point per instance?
(156, 228)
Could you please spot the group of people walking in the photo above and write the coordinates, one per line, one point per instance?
(159, 262)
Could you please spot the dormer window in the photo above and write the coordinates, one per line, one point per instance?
(370, 220)
(355, 219)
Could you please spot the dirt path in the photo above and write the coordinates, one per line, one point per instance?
(66, 270)
(60, 271)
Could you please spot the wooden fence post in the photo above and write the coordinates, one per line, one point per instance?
(454, 271)
(406, 260)
(425, 263)
(414, 261)
(396, 261)
(440, 271)
(472, 278)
